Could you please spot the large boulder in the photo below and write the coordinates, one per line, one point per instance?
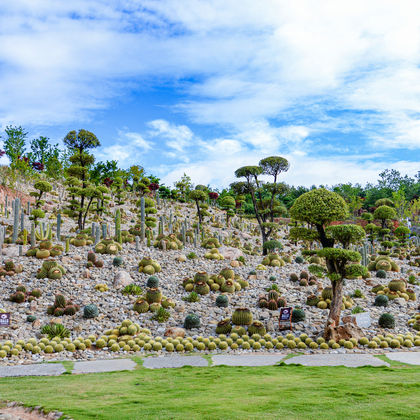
(175, 332)
(230, 253)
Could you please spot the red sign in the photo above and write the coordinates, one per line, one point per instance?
(4, 319)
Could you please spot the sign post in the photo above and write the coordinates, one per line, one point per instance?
(4, 319)
(285, 318)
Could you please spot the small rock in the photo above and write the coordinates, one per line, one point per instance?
(175, 332)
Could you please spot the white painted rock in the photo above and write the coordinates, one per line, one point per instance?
(122, 279)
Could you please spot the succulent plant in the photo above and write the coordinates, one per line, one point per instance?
(153, 295)
(242, 316)
(117, 261)
(224, 327)
(90, 311)
(222, 301)
(298, 315)
(192, 321)
(386, 320)
(381, 300)
(256, 327)
(152, 282)
(141, 306)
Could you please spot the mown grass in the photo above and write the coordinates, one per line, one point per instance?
(287, 392)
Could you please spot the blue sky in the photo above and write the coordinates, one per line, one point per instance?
(205, 87)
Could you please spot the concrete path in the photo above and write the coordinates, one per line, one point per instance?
(96, 366)
(348, 360)
(174, 362)
(247, 360)
(412, 358)
(177, 361)
(41, 369)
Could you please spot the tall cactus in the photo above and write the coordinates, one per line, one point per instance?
(33, 235)
(118, 226)
(16, 210)
(142, 218)
(58, 234)
(104, 230)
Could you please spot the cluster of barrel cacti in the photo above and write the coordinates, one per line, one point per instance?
(272, 300)
(62, 306)
(273, 260)
(51, 269)
(395, 289)
(169, 242)
(9, 268)
(108, 246)
(153, 300)
(383, 262)
(101, 287)
(45, 249)
(23, 295)
(303, 278)
(81, 239)
(226, 282)
(324, 300)
(149, 266)
(414, 322)
(210, 243)
(214, 254)
(93, 261)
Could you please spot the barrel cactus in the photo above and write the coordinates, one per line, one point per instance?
(90, 311)
(242, 316)
(222, 301)
(192, 321)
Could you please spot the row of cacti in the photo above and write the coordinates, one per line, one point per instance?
(274, 260)
(23, 295)
(130, 337)
(226, 282)
(414, 322)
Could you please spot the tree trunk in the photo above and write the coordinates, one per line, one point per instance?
(198, 212)
(335, 310)
(264, 240)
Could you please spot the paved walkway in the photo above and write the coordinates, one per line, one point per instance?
(176, 361)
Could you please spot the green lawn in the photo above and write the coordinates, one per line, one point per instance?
(289, 392)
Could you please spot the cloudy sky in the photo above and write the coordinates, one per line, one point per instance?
(207, 86)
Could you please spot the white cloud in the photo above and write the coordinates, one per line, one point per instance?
(129, 149)
(177, 136)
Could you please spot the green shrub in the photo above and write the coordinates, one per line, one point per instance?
(162, 315)
(55, 330)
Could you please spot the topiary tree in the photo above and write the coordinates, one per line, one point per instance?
(80, 189)
(384, 202)
(228, 204)
(384, 213)
(42, 187)
(319, 208)
(199, 196)
(402, 233)
(263, 195)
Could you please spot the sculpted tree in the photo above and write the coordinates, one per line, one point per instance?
(228, 204)
(384, 213)
(319, 208)
(199, 196)
(263, 195)
(80, 188)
